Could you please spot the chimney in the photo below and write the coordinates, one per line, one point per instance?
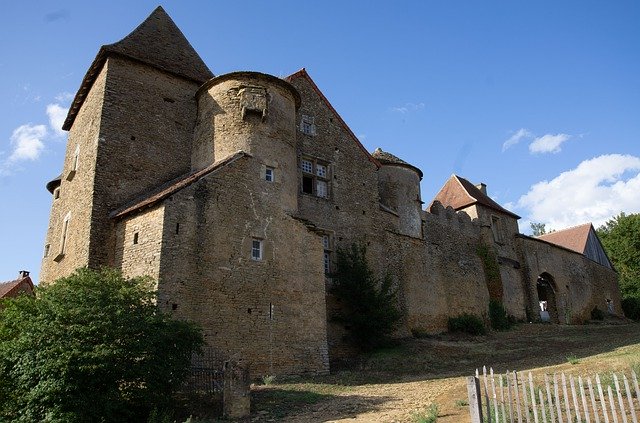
(23, 274)
(482, 187)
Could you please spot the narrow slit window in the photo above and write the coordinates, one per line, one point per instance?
(256, 249)
(135, 238)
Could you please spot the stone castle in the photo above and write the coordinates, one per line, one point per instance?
(235, 191)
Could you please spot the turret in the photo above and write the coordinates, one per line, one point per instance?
(255, 113)
(399, 190)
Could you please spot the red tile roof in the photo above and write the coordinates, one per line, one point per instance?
(574, 238)
(459, 193)
(173, 186)
(15, 287)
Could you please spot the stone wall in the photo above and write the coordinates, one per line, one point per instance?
(138, 243)
(270, 312)
(76, 190)
(451, 280)
(145, 141)
(580, 284)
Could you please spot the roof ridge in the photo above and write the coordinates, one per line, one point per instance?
(168, 188)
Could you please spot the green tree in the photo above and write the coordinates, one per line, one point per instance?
(92, 347)
(370, 305)
(538, 228)
(620, 237)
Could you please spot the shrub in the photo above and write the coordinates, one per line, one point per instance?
(370, 305)
(92, 347)
(498, 316)
(597, 314)
(631, 307)
(467, 323)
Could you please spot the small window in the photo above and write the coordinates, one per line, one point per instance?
(56, 193)
(269, 174)
(63, 235)
(46, 250)
(76, 158)
(135, 238)
(496, 228)
(307, 125)
(307, 166)
(315, 177)
(321, 189)
(256, 249)
(321, 170)
(327, 244)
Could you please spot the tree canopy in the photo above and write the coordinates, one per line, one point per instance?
(92, 347)
(370, 305)
(620, 237)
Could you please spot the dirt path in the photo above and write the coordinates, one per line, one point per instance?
(393, 385)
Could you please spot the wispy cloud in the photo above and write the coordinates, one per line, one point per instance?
(408, 107)
(27, 142)
(64, 97)
(594, 191)
(57, 115)
(548, 143)
(518, 136)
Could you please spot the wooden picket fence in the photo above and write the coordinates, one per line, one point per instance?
(513, 397)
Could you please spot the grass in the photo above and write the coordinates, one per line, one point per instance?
(461, 403)
(572, 359)
(430, 415)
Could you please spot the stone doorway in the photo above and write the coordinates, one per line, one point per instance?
(548, 306)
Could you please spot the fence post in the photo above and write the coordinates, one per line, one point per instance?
(236, 394)
(475, 401)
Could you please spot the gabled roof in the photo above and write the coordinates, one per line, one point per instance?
(573, 238)
(386, 158)
(459, 193)
(157, 42)
(302, 73)
(165, 190)
(12, 288)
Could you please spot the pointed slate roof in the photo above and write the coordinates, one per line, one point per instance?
(386, 158)
(581, 239)
(157, 42)
(459, 193)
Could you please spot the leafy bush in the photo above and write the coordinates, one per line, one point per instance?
(371, 311)
(430, 415)
(498, 316)
(467, 323)
(91, 347)
(597, 314)
(631, 307)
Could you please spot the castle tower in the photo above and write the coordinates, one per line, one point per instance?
(399, 189)
(130, 129)
(255, 113)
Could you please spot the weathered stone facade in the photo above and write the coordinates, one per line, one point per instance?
(235, 192)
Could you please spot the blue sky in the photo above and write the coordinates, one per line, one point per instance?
(539, 100)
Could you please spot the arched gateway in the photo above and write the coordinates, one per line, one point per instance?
(546, 289)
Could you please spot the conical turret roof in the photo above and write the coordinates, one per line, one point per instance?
(157, 42)
(386, 158)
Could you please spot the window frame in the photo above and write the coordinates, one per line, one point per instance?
(318, 172)
(308, 125)
(259, 249)
(269, 174)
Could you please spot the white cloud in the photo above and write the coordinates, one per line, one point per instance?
(594, 191)
(57, 115)
(408, 107)
(516, 138)
(27, 143)
(64, 97)
(548, 143)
